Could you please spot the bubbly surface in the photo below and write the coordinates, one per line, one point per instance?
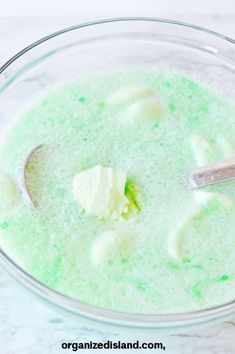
(182, 252)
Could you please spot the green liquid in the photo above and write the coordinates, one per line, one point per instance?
(80, 130)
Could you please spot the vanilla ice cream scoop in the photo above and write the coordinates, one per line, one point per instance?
(147, 110)
(112, 245)
(129, 94)
(9, 194)
(101, 192)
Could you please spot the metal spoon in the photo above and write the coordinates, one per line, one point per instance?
(28, 160)
(214, 173)
(200, 177)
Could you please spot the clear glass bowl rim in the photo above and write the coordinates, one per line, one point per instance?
(91, 311)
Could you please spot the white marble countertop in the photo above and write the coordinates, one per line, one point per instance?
(28, 326)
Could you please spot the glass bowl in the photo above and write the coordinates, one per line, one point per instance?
(106, 45)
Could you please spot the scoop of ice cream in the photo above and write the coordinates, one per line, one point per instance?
(213, 198)
(129, 94)
(138, 103)
(227, 146)
(209, 200)
(101, 191)
(8, 193)
(111, 245)
(147, 110)
(202, 150)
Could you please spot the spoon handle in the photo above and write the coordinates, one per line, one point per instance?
(214, 173)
